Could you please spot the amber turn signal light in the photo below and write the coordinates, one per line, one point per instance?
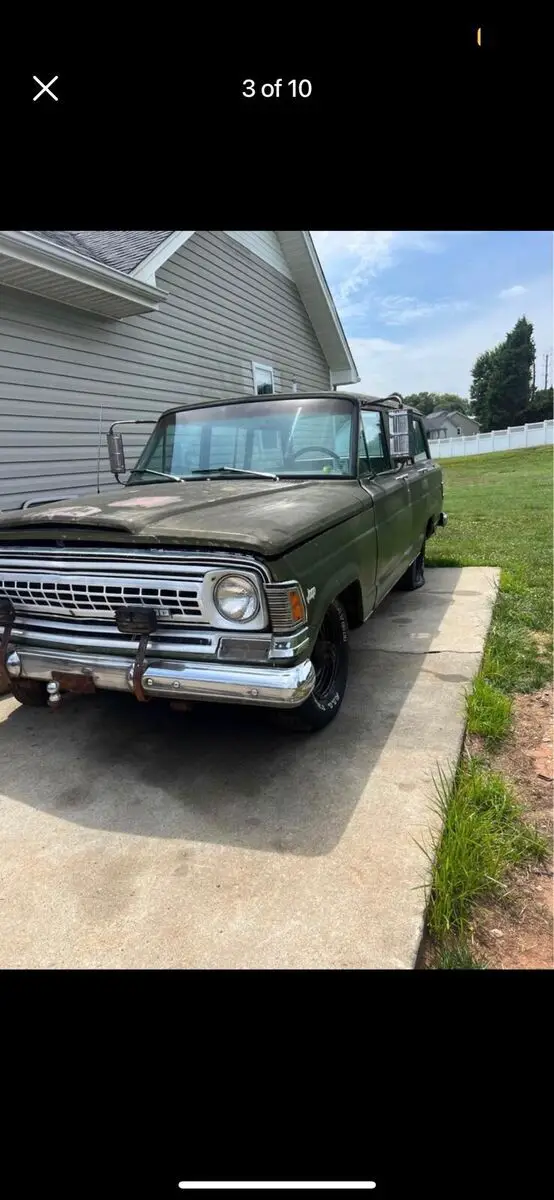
(297, 608)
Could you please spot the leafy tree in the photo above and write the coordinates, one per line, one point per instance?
(541, 407)
(482, 384)
(427, 402)
(502, 379)
(424, 401)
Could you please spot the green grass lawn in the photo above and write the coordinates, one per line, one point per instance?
(500, 514)
(483, 837)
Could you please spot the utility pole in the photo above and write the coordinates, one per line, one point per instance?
(546, 357)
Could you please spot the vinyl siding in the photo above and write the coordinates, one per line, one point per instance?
(452, 424)
(227, 306)
(266, 244)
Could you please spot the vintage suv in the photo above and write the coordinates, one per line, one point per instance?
(248, 539)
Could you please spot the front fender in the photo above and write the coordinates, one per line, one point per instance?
(331, 588)
(331, 562)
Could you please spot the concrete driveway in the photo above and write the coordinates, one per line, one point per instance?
(133, 836)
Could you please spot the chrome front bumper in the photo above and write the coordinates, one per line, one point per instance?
(279, 687)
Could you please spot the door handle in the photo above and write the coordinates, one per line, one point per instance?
(399, 477)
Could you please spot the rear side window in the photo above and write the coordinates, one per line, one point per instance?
(419, 442)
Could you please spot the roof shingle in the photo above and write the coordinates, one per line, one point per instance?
(122, 249)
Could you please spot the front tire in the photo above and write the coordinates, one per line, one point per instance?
(330, 660)
(31, 692)
(414, 577)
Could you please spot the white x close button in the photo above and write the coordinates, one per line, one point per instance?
(45, 88)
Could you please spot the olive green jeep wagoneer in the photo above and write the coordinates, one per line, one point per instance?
(248, 539)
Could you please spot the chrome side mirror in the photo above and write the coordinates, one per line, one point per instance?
(116, 453)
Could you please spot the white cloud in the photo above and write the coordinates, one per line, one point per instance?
(396, 310)
(516, 290)
(442, 363)
(361, 254)
(403, 310)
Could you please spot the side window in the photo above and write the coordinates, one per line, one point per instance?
(363, 460)
(419, 443)
(377, 448)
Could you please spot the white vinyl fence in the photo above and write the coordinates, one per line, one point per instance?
(515, 437)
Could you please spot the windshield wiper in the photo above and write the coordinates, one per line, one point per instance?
(160, 474)
(235, 471)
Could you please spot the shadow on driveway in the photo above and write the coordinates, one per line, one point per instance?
(220, 775)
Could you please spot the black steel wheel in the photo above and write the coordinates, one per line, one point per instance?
(330, 661)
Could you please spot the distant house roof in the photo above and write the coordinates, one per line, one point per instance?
(436, 420)
(123, 249)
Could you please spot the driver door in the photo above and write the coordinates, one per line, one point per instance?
(390, 492)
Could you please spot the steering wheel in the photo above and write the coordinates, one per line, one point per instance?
(318, 449)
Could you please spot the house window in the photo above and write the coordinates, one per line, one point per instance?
(263, 379)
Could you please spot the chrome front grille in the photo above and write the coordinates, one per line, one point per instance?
(71, 582)
(97, 596)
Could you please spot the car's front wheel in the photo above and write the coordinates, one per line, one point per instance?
(330, 660)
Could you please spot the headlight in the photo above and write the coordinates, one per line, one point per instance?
(236, 598)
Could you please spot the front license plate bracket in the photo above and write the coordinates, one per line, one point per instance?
(74, 683)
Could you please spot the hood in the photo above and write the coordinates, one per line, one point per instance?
(266, 517)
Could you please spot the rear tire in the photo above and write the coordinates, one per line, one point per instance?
(330, 660)
(30, 691)
(414, 577)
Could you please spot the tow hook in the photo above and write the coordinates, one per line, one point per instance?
(138, 669)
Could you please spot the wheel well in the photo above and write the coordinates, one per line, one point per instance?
(351, 600)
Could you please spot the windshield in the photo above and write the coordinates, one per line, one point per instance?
(293, 437)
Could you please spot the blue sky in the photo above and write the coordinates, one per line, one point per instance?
(419, 306)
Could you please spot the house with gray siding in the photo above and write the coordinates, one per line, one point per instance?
(443, 424)
(100, 326)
